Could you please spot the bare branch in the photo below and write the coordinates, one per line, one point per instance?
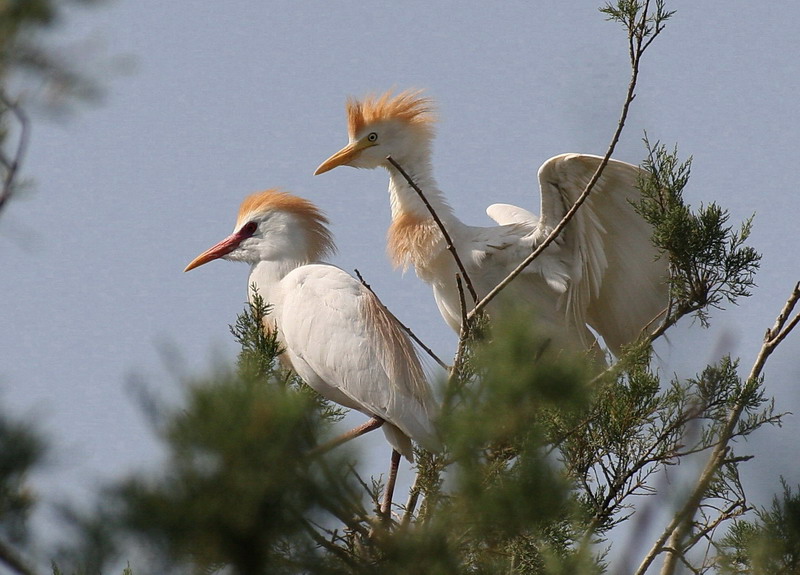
(9, 558)
(12, 164)
(455, 370)
(636, 55)
(411, 504)
(780, 330)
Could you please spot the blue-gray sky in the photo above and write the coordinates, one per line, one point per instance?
(229, 98)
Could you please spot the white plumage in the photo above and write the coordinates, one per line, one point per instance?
(337, 336)
(602, 271)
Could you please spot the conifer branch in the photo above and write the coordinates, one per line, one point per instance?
(675, 532)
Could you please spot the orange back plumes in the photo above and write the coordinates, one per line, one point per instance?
(409, 106)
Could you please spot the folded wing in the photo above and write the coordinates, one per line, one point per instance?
(340, 336)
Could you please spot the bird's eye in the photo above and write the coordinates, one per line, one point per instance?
(249, 228)
(373, 136)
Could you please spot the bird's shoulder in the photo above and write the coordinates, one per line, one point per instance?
(324, 296)
(319, 278)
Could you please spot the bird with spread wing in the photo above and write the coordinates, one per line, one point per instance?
(335, 333)
(601, 272)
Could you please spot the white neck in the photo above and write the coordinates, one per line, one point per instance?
(405, 200)
(266, 275)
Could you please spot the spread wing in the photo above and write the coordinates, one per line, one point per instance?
(342, 342)
(604, 261)
(617, 283)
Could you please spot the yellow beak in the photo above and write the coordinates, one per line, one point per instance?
(343, 156)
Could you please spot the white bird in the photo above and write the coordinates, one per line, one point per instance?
(336, 334)
(602, 271)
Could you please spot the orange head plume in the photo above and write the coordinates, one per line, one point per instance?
(311, 220)
(409, 107)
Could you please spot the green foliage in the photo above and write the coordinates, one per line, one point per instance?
(259, 346)
(21, 450)
(511, 505)
(259, 352)
(634, 429)
(641, 21)
(769, 544)
(709, 261)
(632, 13)
(239, 485)
(242, 489)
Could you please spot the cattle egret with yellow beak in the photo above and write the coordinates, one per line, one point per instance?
(603, 270)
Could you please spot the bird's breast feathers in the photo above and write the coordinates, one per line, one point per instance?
(413, 240)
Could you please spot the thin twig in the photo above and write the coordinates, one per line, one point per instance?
(450, 246)
(411, 504)
(464, 332)
(330, 546)
(463, 335)
(13, 164)
(578, 203)
(735, 509)
(407, 329)
(780, 330)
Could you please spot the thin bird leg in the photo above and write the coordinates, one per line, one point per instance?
(370, 425)
(386, 506)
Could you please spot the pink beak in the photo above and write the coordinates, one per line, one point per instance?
(221, 249)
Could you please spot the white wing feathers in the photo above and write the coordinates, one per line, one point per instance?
(341, 341)
(603, 263)
(617, 284)
(507, 214)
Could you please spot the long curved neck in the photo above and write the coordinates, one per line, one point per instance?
(405, 201)
(414, 237)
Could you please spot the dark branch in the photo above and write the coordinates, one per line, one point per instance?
(407, 329)
(581, 199)
(12, 164)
